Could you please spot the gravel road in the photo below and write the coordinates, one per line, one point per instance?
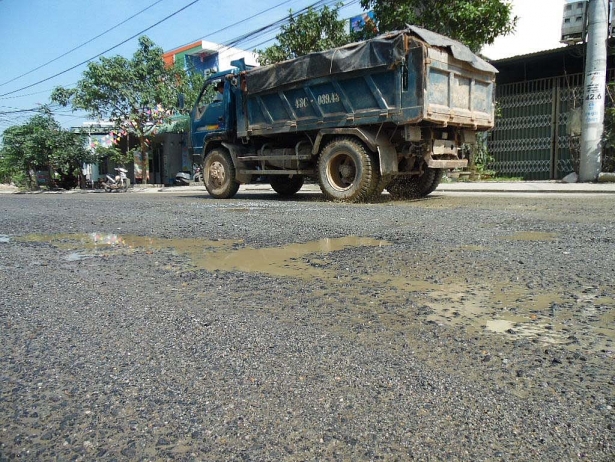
(177, 327)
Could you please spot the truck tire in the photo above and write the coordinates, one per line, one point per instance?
(415, 187)
(347, 171)
(219, 174)
(286, 186)
(438, 174)
(383, 181)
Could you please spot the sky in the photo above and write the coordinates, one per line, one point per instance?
(539, 27)
(34, 32)
(70, 32)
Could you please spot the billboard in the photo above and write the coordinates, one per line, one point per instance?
(357, 23)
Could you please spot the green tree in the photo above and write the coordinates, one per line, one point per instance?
(473, 22)
(137, 94)
(42, 144)
(608, 134)
(67, 158)
(307, 33)
(19, 156)
(192, 84)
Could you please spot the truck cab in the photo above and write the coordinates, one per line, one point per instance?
(213, 117)
(210, 116)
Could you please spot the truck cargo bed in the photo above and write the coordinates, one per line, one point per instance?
(406, 77)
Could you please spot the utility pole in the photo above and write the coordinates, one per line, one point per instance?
(595, 83)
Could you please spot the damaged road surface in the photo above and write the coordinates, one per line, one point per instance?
(150, 327)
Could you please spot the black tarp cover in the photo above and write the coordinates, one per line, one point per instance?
(458, 49)
(386, 50)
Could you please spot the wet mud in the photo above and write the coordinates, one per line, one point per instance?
(447, 295)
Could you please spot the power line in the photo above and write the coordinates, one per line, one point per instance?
(18, 111)
(237, 23)
(256, 34)
(3, 96)
(19, 116)
(53, 107)
(244, 38)
(251, 36)
(36, 92)
(261, 31)
(79, 46)
(102, 53)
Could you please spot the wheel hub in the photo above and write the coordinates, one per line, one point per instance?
(217, 173)
(343, 171)
(347, 172)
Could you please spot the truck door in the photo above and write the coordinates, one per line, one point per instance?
(209, 118)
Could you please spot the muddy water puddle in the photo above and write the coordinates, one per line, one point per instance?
(504, 308)
(220, 255)
(537, 236)
(105, 241)
(287, 261)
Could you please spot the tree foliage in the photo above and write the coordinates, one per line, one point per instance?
(306, 33)
(42, 144)
(608, 134)
(137, 94)
(192, 84)
(473, 22)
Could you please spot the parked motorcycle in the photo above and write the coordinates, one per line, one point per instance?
(198, 175)
(183, 178)
(118, 183)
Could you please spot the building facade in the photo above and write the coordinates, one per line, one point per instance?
(539, 101)
(206, 57)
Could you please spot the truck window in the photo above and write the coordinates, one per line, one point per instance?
(207, 97)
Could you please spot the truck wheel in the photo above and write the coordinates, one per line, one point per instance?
(219, 174)
(383, 181)
(437, 177)
(286, 186)
(415, 187)
(347, 171)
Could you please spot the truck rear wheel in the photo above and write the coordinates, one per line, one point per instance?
(286, 186)
(415, 187)
(347, 171)
(219, 174)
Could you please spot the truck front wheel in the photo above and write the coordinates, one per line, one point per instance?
(415, 187)
(347, 171)
(219, 174)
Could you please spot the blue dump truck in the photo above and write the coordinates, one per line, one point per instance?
(392, 112)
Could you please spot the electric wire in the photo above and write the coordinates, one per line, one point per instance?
(82, 45)
(247, 37)
(242, 39)
(244, 20)
(231, 43)
(4, 96)
(102, 53)
(236, 23)
(37, 92)
(274, 26)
